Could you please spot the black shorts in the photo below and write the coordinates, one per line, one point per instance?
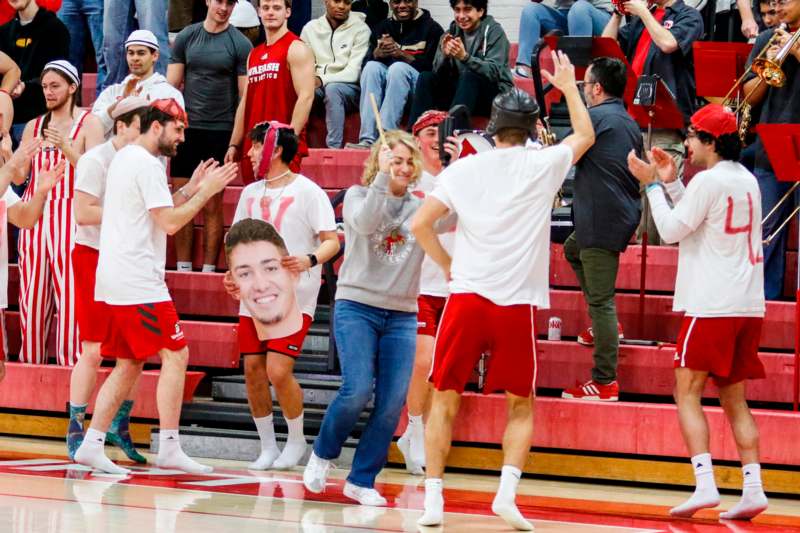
(198, 146)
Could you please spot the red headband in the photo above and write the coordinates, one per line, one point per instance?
(171, 107)
(427, 119)
(715, 120)
(270, 139)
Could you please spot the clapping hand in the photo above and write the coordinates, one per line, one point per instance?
(659, 166)
(563, 76)
(49, 177)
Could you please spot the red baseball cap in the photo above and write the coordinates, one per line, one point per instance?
(427, 119)
(715, 120)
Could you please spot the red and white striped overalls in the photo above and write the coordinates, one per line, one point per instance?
(45, 265)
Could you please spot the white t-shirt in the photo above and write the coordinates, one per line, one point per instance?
(9, 199)
(720, 261)
(432, 281)
(133, 249)
(503, 199)
(299, 211)
(90, 177)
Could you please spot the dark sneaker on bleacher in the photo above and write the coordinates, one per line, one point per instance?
(592, 390)
(586, 337)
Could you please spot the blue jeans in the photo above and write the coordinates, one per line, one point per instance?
(339, 98)
(535, 21)
(78, 16)
(376, 351)
(119, 22)
(585, 19)
(392, 87)
(773, 190)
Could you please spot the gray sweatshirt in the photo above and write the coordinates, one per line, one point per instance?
(382, 260)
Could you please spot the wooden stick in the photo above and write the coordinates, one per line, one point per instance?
(380, 126)
(377, 117)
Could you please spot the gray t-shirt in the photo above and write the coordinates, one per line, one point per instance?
(213, 62)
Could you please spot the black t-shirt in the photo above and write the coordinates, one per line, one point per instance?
(781, 105)
(676, 69)
(32, 46)
(606, 205)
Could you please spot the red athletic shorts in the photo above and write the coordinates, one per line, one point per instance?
(725, 347)
(250, 344)
(93, 317)
(142, 330)
(429, 314)
(471, 325)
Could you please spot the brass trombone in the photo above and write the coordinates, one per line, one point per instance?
(767, 70)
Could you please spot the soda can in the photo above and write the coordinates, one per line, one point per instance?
(554, 329)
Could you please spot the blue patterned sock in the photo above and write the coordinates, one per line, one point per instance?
(119, 434)
(77, 413)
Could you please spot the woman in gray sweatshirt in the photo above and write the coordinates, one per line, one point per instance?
(375, 321)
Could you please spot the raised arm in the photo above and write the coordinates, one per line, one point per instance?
(563, 79)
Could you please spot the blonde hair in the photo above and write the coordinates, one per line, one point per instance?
(393, 138)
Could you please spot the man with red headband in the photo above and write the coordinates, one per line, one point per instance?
(716, 220)
(433, 293)
(301, 212)
(138, 214)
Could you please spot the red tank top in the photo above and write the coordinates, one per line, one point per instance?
(66, 187)
(270, 93)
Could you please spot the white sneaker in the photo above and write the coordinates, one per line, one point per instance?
(363, 495)
(316, 473)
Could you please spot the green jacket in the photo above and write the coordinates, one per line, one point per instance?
(488, 55)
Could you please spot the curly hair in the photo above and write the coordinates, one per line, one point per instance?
(393, 138)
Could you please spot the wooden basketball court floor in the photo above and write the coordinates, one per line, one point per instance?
(41, 492)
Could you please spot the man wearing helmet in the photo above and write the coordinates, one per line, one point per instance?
(498, 276)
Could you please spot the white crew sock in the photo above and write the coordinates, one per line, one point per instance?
(705, 494)
(434, 503)
(753, 501)
(171, 456)
(92, 453)
(269, 446)
(295, 447)
(416, 434)
(209, 268)
(504, 505)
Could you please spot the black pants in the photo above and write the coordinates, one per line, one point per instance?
(438, 91)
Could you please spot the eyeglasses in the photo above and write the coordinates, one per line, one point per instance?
(171, 107)
(691, 134)
(581, 84)
(780, 2)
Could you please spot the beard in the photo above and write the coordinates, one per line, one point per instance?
(166, 148)
(58, 105)
(269, 320)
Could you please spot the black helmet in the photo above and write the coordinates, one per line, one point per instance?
(513, 109)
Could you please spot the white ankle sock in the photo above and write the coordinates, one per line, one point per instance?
(705, 493)
(171, 456)
(92, 453)
(434, 503)
(209, 268)
(184, 266)
(504, 505)
(753, 501)
(295, 447)
(269, 446)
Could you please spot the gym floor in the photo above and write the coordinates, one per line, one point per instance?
(41, 491)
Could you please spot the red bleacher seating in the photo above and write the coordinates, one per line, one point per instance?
(46, 388)
(621, 428)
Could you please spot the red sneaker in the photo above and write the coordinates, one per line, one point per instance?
(591, 390)
(586, 336)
